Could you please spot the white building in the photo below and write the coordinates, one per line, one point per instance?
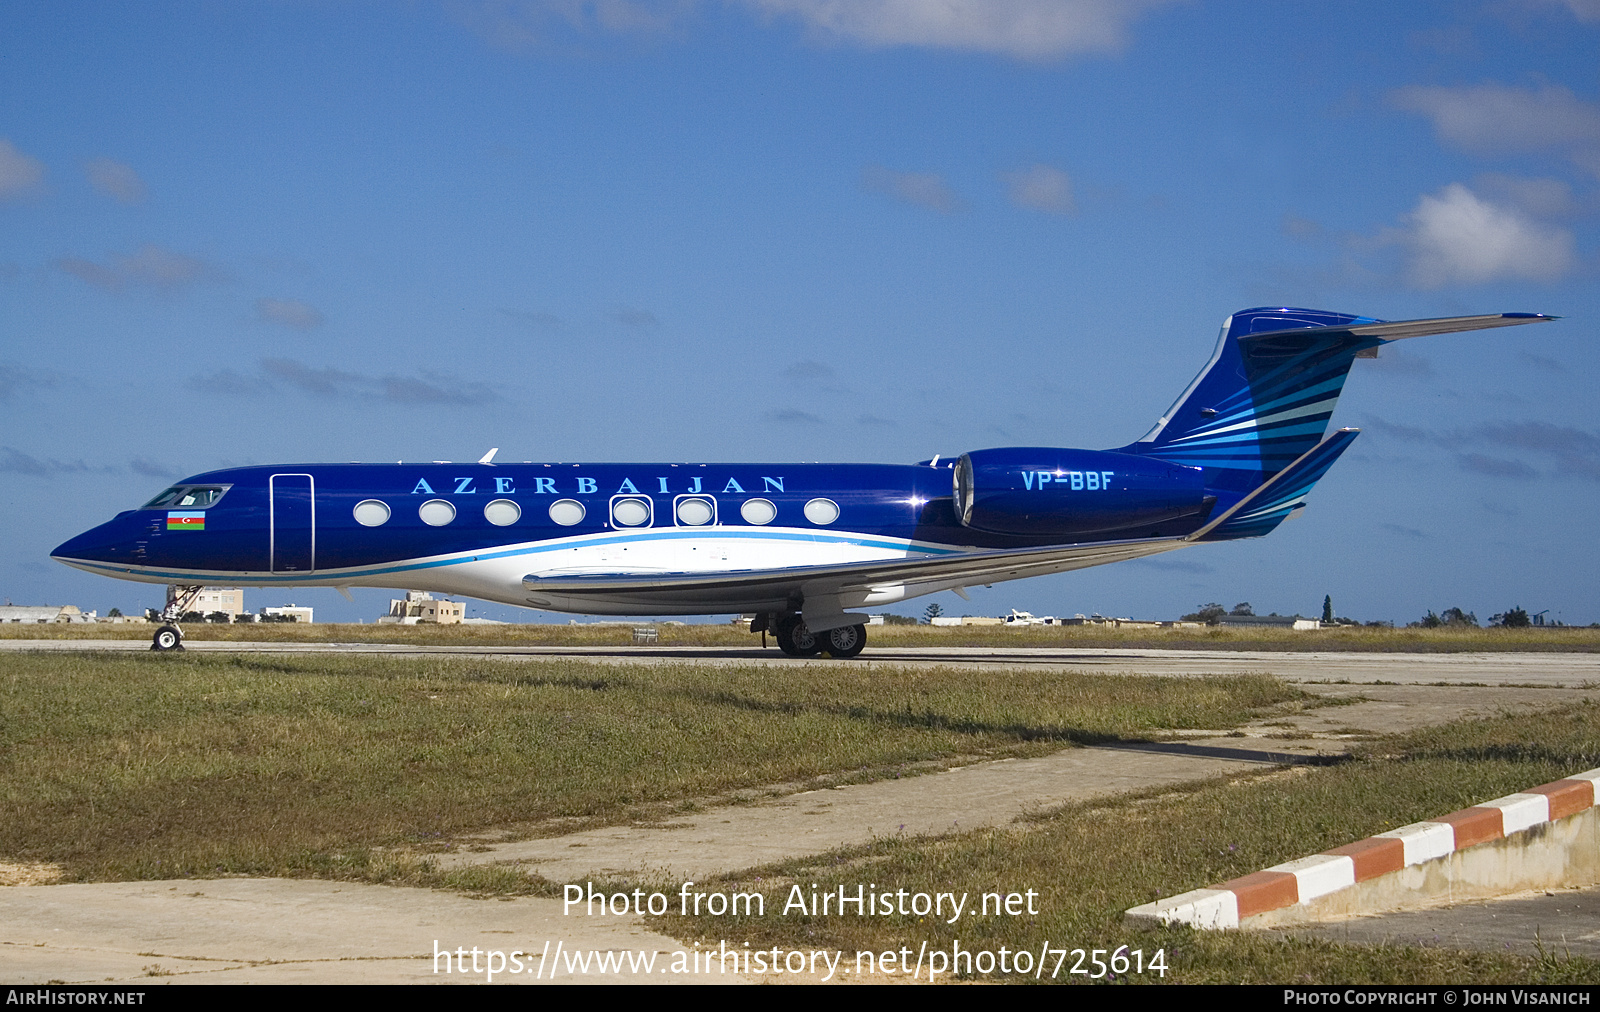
(44, 614)
(420, 606)
(294, 612)
(228, 600)
(1294, 622)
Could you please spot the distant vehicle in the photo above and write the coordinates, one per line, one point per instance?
(798, 545)
(1027, 618)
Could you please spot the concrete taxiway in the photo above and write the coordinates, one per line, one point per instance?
(275, 931)
(1563, 923)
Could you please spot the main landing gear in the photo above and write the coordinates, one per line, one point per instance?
(170, 636)
(796, 640)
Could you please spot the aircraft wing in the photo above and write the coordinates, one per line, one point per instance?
(956, 571)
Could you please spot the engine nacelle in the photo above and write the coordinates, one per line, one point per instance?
(1057, 492)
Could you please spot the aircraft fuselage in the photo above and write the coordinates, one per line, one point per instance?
(486, 530)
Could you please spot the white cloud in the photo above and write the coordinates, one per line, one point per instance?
(1494, 119)
(1455, 237)
(115, 179)
(289, 313)
(1542, 198)
(16, 462)
(274, 373)
(19, 173)
(519, 25)
(1041, 188)
(152, 265)
(1583, 10)
(1026, 29)
(148, 265)
(809, 370)
(924, 188)
(639, 319)
(15, 379)
(792, 416)
(542, 322)
(1297, 227)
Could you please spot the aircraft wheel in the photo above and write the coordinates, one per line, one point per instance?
(845, 642)
(795, 639)
(168, 637)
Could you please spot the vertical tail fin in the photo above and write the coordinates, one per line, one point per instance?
(1265, 398)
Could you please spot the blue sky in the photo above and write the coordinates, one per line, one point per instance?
(807, 230)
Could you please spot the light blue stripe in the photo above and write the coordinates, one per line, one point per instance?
(333, 576)
(1336, 385)
(1268, 431)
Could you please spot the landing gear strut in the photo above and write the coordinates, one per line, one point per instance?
(170, 636)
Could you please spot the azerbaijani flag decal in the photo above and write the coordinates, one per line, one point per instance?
(186, 521)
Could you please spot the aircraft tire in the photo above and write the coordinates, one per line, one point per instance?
(795, 639)
(168, 637)
(845, 642)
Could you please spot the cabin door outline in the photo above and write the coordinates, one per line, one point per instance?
(291, 523)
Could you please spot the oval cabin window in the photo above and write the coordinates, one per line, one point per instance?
(567, 512)
(822, 511)
(695, 512)
(630, 512)
(371, 513)
(502, 512)
(436, 512)
(758, 511)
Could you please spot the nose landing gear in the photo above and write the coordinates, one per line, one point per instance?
(170, 635)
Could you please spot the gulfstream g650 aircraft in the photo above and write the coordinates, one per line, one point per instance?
(797, 544)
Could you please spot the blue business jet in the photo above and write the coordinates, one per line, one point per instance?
(799, 545)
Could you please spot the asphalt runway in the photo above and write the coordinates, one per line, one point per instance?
(247, 929)
(1552, 670)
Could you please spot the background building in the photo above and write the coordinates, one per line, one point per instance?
(420, 606)
(293, 612)
(228, 600)
(44, 613)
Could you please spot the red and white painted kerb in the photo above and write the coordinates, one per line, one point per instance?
(1309, 878)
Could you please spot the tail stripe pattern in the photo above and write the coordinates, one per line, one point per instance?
(1273, 502)
(1272, 401)
(1255, 416)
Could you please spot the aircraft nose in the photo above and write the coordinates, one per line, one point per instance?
(109, 542)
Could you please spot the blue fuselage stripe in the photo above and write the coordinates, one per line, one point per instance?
(698, 534)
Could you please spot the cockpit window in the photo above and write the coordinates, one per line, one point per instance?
(187, 497)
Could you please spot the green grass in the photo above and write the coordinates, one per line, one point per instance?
(1566, 639)
(120, 766)
(1092, 861)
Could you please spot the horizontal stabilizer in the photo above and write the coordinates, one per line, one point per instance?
(1268, 506)
(1401, 329)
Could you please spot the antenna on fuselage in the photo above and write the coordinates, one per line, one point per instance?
(488, 458)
